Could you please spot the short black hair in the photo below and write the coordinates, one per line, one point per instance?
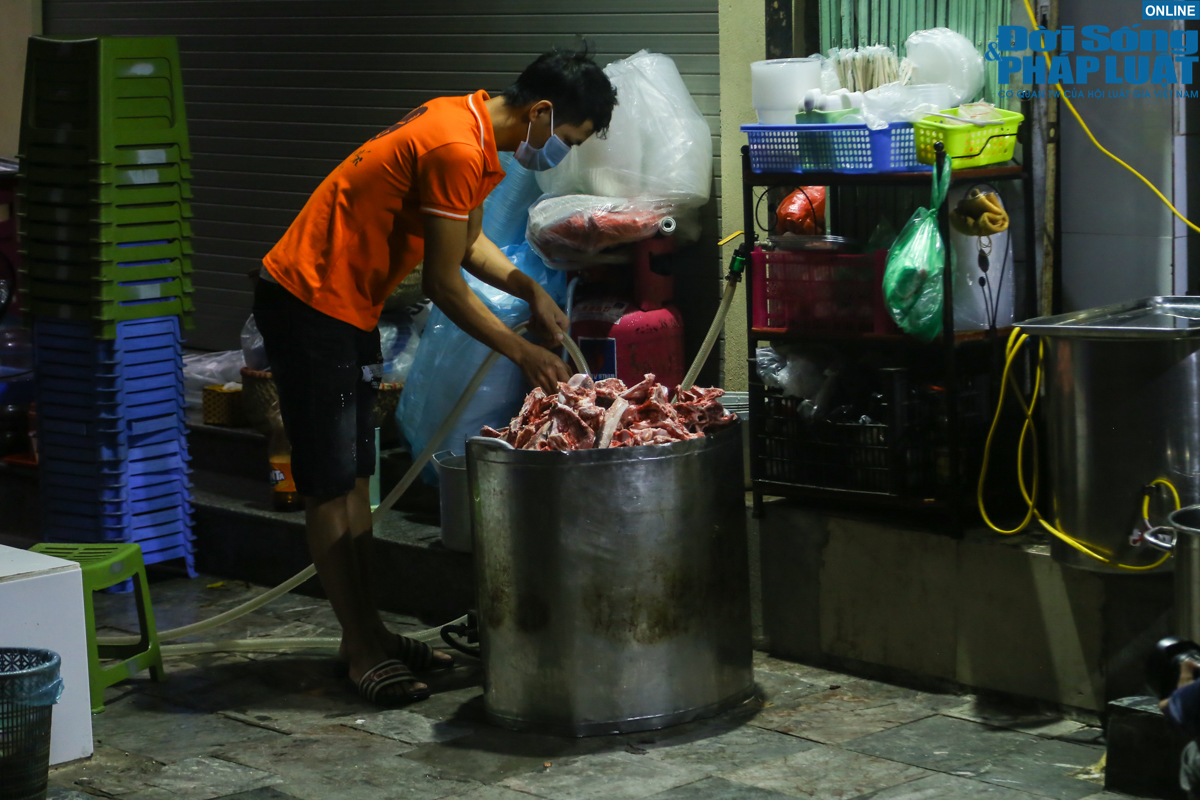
(571, 80)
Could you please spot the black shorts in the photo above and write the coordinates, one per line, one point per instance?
(327, 373)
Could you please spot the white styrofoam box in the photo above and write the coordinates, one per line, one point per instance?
(42, 602)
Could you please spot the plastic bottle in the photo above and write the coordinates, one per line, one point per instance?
(284, 496)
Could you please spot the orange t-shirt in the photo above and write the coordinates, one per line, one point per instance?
(362, 230)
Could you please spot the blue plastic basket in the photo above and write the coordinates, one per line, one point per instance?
(833, 148)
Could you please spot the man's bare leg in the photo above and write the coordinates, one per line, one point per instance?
(331, 545)
(361, 528)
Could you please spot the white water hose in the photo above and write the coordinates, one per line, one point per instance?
(430, 634)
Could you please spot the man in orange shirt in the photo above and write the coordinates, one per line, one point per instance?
(414, 192)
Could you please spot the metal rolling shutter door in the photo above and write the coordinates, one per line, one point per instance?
(279, 91)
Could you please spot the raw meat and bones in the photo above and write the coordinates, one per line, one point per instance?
(586, 415)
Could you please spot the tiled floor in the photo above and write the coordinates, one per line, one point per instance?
(282, 727)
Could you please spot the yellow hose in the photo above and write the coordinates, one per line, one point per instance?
(1063, 95)
(1015, 341)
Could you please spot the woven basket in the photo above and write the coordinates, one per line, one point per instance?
(259, 396)
(386, 401)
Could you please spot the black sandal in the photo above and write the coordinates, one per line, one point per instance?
(418, 656)
(375, 684)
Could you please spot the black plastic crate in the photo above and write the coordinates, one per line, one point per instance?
(877, 457)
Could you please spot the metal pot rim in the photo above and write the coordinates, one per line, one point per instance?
(480, 448)
(1174, 523)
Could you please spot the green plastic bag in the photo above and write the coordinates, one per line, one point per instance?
(912, 282)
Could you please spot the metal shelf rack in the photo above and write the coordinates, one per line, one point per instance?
(946, 497)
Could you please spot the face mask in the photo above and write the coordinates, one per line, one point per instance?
(545, 157)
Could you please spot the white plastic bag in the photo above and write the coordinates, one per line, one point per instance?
(253, 349)
(205, 369)
(940, 55)
(447, 358)
(658, 145)
(562, 229)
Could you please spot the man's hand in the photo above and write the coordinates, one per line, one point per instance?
(1187, 672)
(547, 320)
(541, 367)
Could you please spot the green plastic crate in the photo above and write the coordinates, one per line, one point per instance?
(92, 233)
(104, 251)
(81, 273)
(103, 94)
(104, 195)
(83, 176)
(105, 316)
(108, 291)
(104, 214)
(80, 156)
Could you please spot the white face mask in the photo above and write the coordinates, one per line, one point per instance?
(547, 156)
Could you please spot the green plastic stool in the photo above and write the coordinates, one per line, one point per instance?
(106, 565)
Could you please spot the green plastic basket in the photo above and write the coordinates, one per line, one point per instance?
(968, 145)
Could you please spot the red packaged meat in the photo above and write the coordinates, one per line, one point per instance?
(802, 212)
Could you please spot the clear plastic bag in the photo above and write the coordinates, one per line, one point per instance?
(562, 229)
(506, 209)
(204, 369)
(940, 55)
(658, 145)
(912, 282)
(793, 373)
(893, 102)
(447, 358)
(398, 342)
(253, 349)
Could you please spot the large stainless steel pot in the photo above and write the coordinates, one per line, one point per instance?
(613, 585)
(1122, 408)
(1182, 540)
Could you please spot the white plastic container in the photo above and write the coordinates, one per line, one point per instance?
(779, 87)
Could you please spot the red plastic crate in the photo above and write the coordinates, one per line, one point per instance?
(815, 291)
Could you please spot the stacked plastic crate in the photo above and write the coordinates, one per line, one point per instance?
(105, 241)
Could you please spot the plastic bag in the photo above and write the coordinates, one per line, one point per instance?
(398, 342)
(940, 55)
(561, 229)
(204, 369)
(447, 358)
(506, 209)
(658, 144)
(253, 349)
(912, 282)
(802, 212)
(893, 102)
(794, 374)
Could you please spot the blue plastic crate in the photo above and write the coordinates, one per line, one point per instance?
(81, 363)
(122, 489)
(123, 525)
(72, 503)
(112, 451)
(833, 148)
